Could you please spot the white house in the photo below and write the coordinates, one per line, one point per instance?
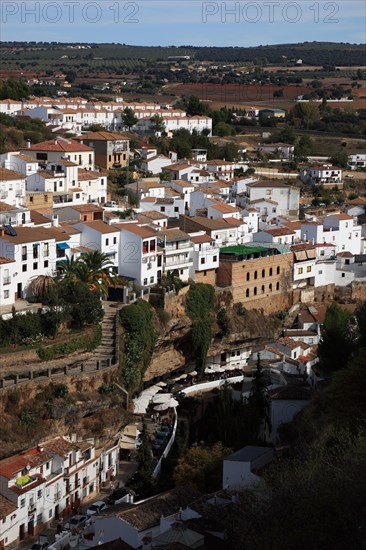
(284, 150)
(322, 175)
(34, 251)
(205, 257)
(98, 235)
(278, 235)
(240, 468)
(271, 199)
(62, 148)
(138, 253)
(357, 161)
(12, 187)
(178, 252)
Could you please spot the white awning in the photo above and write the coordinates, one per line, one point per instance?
(162, 398)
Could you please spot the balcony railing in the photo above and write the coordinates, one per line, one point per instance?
(6, 280)
(32, 508)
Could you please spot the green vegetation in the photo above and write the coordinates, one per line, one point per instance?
(15, 132)
(142, 482)
(139, 341)
(223, 321)
(81, 343)
(337, 341)
(320, 501)
(201, 466)
(199, 303)
(13, 89)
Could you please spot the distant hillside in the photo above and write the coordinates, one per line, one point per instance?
(312, 53)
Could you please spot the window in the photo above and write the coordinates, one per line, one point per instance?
(263, 272)
(270, 287)
(255, 291)
(60, 183)
(322, 252)
(263, 289)
(85, 218)
(145, 281)
(162, 208)
(151, 280)
(77, 195)
(107, 242)
(343, 274)
(277, 286)
(35, 265)
(22, 503)
(300, 271)
(176, 208)
(308, 269)
(24, 268)
(39, 494)
(255, 274)
(152, 246)
(145, 247)
(270, 271)
(24, 253)
(247, 293)
(203, 261)
(31, 199)
(320, 272)
(50, 513)
(114, 240)
(215, 258)
(278, 270)
(248, 276)
(347, 262)
(6, 294)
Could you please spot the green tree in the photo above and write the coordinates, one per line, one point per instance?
(336, 343)
(129, 118)
(222, 319)
(340, 159)
(222, 129)
(142, 482)
(304, 147)
(157, 124)
(202, 467)
(259, 398)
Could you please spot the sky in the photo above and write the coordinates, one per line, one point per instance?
(188, 22)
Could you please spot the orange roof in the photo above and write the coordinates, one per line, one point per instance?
(140, 230)
(59, 145)
(279, 231)
(341, 216)
(6, 175)
(16, 463)
(100, 226)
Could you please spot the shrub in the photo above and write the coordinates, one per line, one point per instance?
(60, 390)
(81, 343)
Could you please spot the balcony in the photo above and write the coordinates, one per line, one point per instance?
(6, 280)
(58, 495)
(32, 508)
(86, 481)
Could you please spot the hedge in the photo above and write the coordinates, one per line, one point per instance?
(80, 343)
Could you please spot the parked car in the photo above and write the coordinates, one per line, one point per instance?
(76, 522)
(96, 508)
(117, 496)
(111, 204)
(40, 546)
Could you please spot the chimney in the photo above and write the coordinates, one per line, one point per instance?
(81, 141)
(28, 143)
(55, 141)
(2, 232)
(40, 448)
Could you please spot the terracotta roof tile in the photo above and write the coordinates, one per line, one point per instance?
(59, 145)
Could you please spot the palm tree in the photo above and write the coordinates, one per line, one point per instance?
(94, 269)
(41, 284)
(67, 268)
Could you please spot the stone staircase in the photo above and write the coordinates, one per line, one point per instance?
(108, 350)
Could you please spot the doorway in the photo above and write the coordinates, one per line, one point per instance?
(19, 291)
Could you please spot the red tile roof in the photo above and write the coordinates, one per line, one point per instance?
(59, 145)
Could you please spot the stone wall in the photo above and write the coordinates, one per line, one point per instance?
(263, 283)
(208, 277)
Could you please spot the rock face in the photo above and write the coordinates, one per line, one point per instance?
(172, 350)
(32, 413)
